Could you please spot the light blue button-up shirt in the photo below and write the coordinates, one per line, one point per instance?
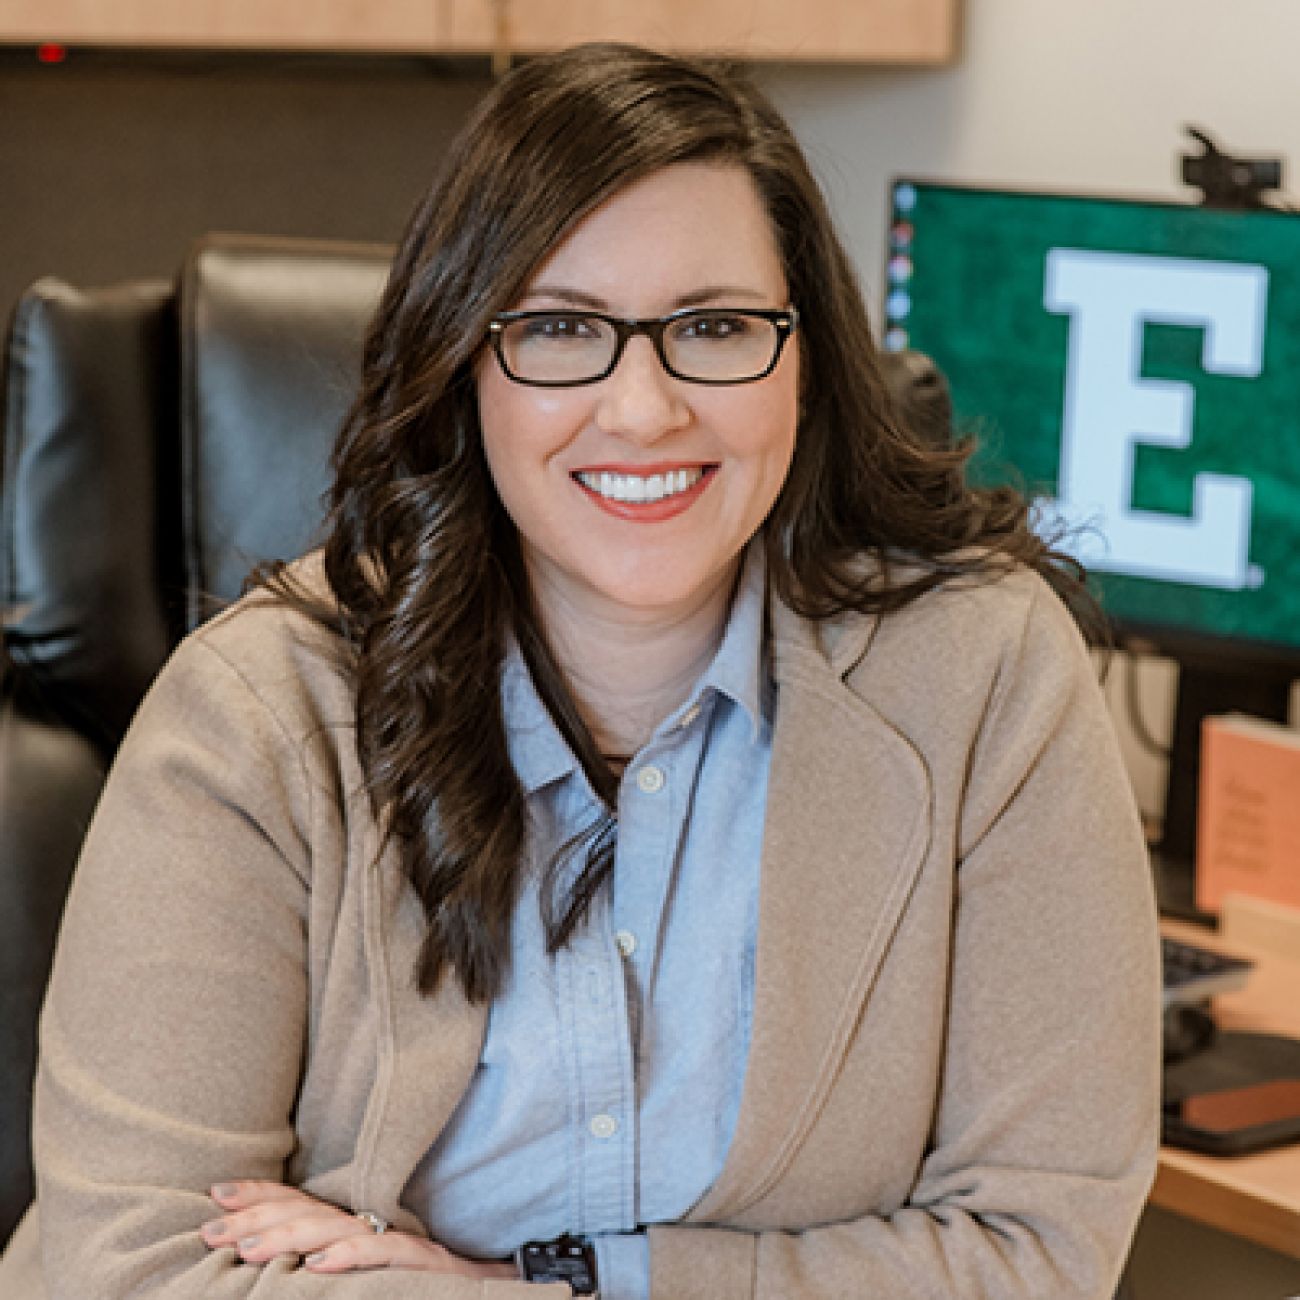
(608, 1088)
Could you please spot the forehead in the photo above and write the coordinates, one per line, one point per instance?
(688, 227)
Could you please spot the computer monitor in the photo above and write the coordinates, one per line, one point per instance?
(1136, 366)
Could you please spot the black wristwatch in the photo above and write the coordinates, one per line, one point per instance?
(566, 1259)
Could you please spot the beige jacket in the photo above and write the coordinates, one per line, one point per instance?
(952, 1087)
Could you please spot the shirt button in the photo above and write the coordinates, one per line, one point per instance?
(650, 779)
(604, 1126)
(626, 941)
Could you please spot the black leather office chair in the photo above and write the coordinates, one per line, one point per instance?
(158, 440)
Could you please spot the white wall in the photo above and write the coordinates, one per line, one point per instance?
(1089, 95)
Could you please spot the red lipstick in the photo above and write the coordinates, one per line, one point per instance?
(647, 512)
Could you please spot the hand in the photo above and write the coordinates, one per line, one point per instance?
(264, 1219)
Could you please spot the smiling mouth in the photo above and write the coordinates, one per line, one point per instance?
(639, 489)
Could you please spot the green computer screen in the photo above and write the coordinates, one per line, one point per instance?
(1136, 366)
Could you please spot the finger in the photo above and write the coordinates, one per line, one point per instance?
(244, 1227)
(254, 1191)
(251, 1205)
(234, 1227)
(301, 1236)
(391, 1249)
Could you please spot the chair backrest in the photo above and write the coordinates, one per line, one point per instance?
(156, 445)
(89, 546)
(271, 339)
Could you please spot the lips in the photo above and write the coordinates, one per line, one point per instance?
(648, 496)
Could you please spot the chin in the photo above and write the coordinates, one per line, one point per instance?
(657, 584)
(652, 594)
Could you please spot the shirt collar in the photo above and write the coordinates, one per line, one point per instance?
(538, 753)
(740, 669)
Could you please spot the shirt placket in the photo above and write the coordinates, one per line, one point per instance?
(653, 810)
(594, 1024)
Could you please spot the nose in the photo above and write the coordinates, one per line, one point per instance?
(641, 401)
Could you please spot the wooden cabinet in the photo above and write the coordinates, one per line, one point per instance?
(864, 31)
(405, 26)
(840, 31)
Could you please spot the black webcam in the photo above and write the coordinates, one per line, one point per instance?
(1228, 182)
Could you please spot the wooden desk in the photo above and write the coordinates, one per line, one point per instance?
(1256, 1197)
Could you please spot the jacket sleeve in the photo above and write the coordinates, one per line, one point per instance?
(176, 1021)
(1046, 1125)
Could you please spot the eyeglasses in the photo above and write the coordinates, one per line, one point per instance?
(709, 345)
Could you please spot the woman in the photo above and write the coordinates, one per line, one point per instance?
(673, 810)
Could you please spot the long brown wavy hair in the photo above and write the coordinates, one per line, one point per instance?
(423, 562)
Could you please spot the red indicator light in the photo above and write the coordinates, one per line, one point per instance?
(52, 53)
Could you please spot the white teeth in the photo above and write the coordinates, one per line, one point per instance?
(640, 488)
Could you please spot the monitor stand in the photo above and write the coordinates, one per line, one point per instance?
(1201, 692)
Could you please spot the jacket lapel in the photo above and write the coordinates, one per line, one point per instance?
(848, 824)
(428, 1048)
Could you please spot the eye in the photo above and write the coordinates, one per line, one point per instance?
(713, 326)
(557, 327)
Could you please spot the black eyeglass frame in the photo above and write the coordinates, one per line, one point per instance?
(786, 320)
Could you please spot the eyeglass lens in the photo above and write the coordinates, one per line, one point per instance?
(575, 347)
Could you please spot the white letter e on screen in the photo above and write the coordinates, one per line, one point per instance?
(1109, 407)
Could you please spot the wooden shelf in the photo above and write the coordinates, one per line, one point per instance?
(920, 32)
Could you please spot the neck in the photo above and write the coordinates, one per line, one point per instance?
(627, 671)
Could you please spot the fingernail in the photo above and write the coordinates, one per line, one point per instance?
(318, 1257)
(223, 1191)
(248, 1243)
(214, 1228)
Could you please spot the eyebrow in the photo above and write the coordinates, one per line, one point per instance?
(708, 294)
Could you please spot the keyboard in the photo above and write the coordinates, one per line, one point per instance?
(1192, 973)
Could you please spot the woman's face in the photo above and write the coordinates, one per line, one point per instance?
(566, 460)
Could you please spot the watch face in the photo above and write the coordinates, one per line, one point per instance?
(566, 1259)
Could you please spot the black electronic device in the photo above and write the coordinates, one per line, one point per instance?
(565, 1259)
(1226, 181)
(1235, 1121)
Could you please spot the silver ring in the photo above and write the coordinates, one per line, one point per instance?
(374, 1222)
